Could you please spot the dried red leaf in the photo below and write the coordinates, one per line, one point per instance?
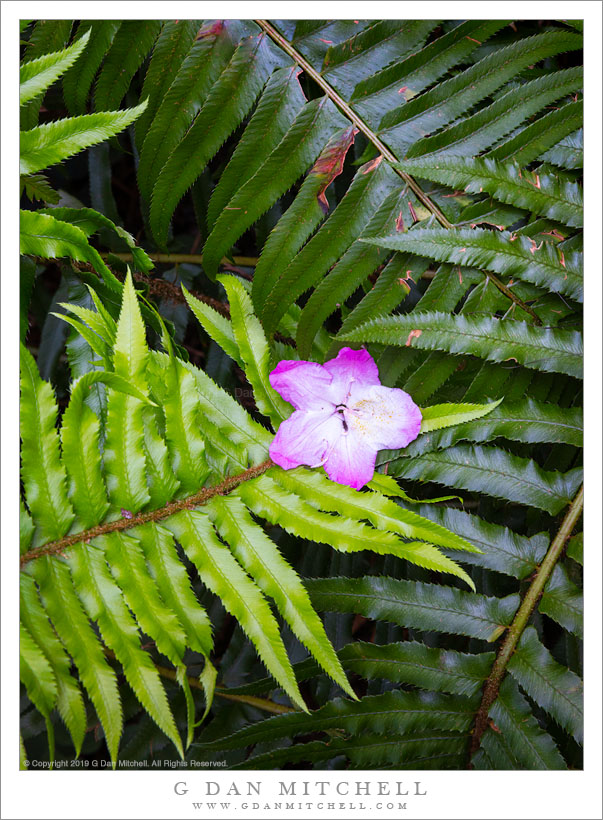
(554, 233)
(210, 30)
(330, 164)
(370, 166)
(414, 334)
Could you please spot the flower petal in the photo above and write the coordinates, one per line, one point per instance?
(305, 438)
(305, 385)
(351, 460)
(385, 417)
(352, 366)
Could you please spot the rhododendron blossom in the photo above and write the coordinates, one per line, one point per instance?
(343, 416)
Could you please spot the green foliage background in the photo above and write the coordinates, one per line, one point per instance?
(204, 198)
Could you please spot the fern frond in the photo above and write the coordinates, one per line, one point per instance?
(356, 265)
(46, 37)
(90, 222)
(315, 122)
(174, 586)
(37, 75)
(43, 235)
(516, 731)
(38, 187)
(36, 673)
(80, 443)
(305, 213)
(262, 560)
(545, 132)
(227, 104)
(105, 604)
(69, 700)
(563, 601)
(416, 605)
(510, 477)
(384, 514)
(478, 132)
(568, 152)
(77, 82)
(53, 142)
(129, 47)
(63, 606)
(169, 51)
(451, 99)
(274, 115)
(254, 351)
(124, 454)
(521, 257)
(424, 750)
(215, 325)
(555, 688)
(357, 58)
(400, 713)
(502, 549)
(542, 194)
(151, 514)
(44, 477)
(203, 64)
(550, 350)
(380, 93)
(429, 668)
(239, 594)
(370, 185)
(528, 421)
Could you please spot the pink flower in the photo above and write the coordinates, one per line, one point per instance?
(343, 416)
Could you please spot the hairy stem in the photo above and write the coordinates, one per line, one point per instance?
(168, 290)
(382, 148)
(543, 573)
(121, 524)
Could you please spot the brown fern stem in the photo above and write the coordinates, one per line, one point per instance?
(260, 703)
(180, 258)
(515, 631)
(382, 148)
(121, 524)
(351, 115)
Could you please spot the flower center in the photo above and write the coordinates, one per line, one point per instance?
(341, 408)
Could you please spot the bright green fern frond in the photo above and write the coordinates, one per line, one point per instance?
(43, 235)
(37, 75)
(55, 141)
